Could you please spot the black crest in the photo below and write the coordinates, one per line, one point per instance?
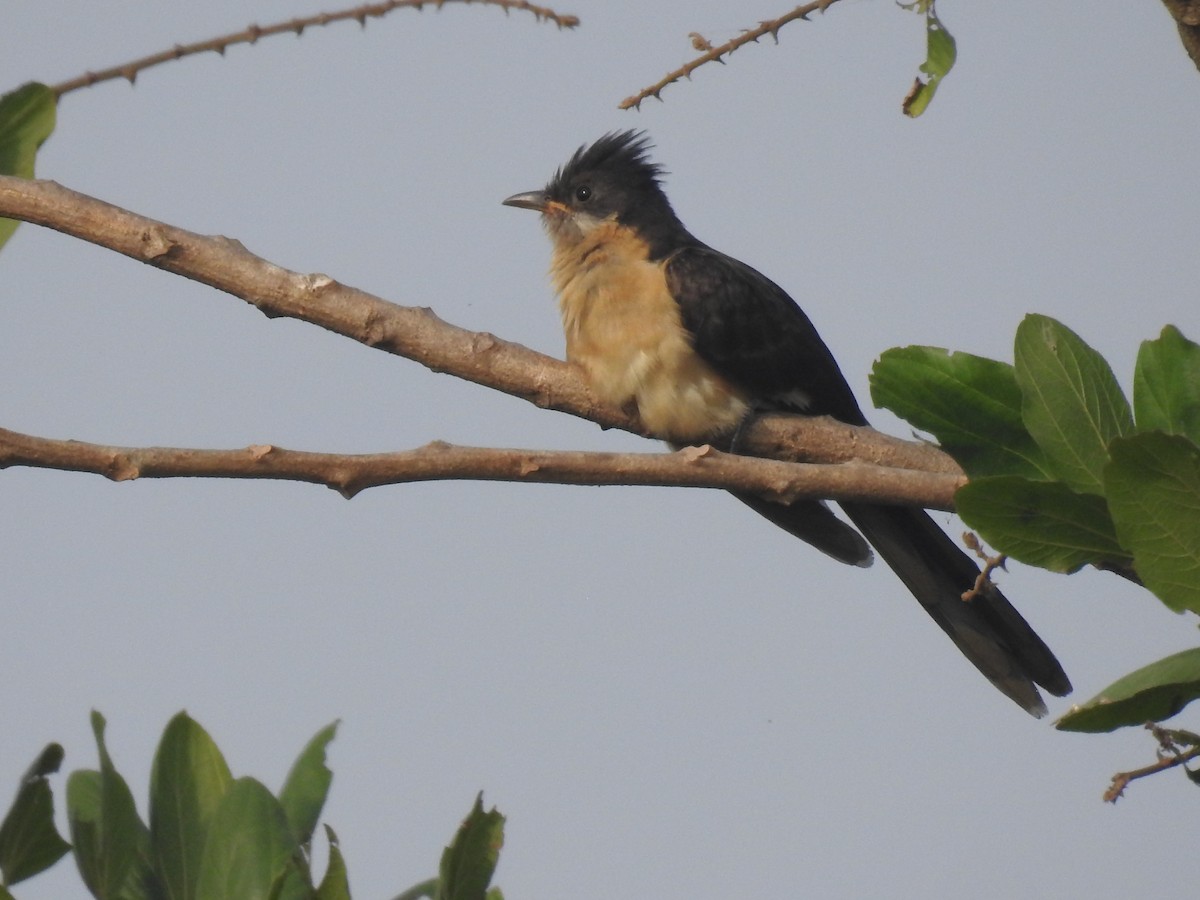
(614, 176)
(619, 155)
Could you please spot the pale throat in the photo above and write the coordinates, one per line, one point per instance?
(623, 329)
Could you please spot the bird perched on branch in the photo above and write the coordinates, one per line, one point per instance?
(695, 342)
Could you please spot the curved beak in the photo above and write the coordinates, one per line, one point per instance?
(535, 200)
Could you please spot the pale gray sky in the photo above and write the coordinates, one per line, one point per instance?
(666, 696)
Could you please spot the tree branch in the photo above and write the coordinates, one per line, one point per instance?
(251, 34)
(1170, 755)
(715, 54)
(418, 334)
(348, 474)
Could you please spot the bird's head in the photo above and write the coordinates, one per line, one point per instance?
(610, 180)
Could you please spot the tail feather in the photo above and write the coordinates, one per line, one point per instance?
(814, 523)
(987, 629)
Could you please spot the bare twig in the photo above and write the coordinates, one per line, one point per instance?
(983, 581)
(715, 54)
(250, 35)
(1170, 754)
(348, 474)
(417, 333)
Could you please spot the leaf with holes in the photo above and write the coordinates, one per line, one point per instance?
(940, 55)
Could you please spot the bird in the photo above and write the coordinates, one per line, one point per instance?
(696, 343)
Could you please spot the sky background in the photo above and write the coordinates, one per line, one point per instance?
(666, 696)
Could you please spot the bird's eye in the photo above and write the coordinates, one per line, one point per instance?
(583, 193)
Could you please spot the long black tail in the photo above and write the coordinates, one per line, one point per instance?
(814, 523)
(987, 629)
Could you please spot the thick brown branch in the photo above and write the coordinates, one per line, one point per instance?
(715, 54)
(420, 335)
(349, 474)
(251, 34)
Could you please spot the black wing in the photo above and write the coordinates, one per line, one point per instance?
(750, 331)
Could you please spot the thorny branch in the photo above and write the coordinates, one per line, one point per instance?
(418, 334)
(1185, 12)
(251, 34)
(715, 53)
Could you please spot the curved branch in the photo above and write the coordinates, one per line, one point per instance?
(348, 474)
(715, 54)
(417, 333)
(251, 34)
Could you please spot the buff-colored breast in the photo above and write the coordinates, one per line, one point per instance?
(623, 329)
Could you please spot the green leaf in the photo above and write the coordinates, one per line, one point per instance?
(83, 817)
(111, 841)
(1151, 694)
(1166, 385)
(85, 813)
(469, 861)
(1071, 402)
(307, 785)
(971, 404)
(295, 883)
(940, 55)
(336, 883)
(187, 784)
(29, 842)
(249, 847)
(1041, 523)
(420, 891)
(26, 120)
(1153, 485)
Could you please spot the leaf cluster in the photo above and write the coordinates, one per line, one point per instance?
(1065, 472)
(210, 836)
